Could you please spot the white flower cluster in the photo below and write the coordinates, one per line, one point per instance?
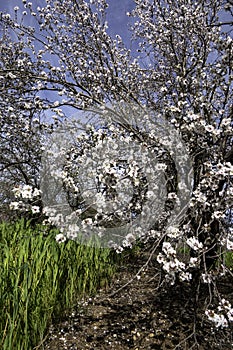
(171, 265)
(104, 171)
(224, 169)
(174, 232)
(26, 196)
(19, 205)
(194, 243)
(223, 316)
(53, 217)
(26, 192)
(210, 189)
(60, 238)
(229, 244)
(207, 278)
(129, 240)
(195, 122)
(200, 198)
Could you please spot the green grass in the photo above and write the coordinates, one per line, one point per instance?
(40, 279)
(229, 260)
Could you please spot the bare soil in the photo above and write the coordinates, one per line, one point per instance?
(141, 316)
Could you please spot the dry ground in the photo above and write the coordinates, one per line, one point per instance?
(140, 316)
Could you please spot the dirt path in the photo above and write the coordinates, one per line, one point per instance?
(139, 317)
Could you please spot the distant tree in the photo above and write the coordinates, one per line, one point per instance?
(183, 73)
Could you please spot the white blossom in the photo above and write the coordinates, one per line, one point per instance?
(60, 238)
(223, 315)
(194, 243)
(229, 244)
(35, 209)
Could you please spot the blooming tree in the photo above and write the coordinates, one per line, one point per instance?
(173, 96)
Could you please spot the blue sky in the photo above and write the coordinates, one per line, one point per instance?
(118, 21)
(116, 16)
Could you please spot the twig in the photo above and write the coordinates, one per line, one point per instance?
(139, 271)
(42, 341)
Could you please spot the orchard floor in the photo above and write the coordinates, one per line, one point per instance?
(140, 316)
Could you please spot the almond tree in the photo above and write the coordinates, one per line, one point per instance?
(182, 72)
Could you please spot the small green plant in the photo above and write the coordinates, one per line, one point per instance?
(40, 279)
(229, 260)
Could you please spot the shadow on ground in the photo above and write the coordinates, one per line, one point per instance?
(140, 316)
